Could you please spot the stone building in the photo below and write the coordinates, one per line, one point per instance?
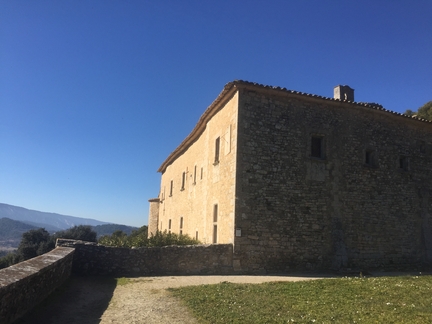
(298, 181)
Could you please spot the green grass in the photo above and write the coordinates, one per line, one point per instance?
(122, 281)
(405, 299)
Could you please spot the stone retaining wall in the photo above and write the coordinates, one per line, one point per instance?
(93, 259)
(26, 284)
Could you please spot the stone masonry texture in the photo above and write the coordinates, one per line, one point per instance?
(333, 212)
(26, 284)
(94, 259)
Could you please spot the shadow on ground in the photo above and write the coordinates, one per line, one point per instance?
(80, 300)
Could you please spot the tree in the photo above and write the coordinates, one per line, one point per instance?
(424, 111)
(118, 238)
(409, 112)
(8, 260)
(81, 232)
(33, 243)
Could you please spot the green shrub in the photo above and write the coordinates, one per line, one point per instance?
(8, 260)
(140, 238)
(118, 239)
(165, 238)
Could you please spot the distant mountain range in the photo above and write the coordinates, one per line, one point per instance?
(14, 221)
(50, 221)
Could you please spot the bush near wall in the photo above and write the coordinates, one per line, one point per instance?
(140, 239)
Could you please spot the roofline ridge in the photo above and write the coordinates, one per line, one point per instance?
(238, 83)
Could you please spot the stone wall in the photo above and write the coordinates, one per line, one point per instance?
(26, 284)
(93, 259)
(342, 209)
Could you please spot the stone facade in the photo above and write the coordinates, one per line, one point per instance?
(198, 191)
(307, 182)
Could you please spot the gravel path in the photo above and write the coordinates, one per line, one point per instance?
(90, 300)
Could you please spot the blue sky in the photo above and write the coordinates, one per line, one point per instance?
(94, 95)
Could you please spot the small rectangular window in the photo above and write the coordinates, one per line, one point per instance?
(214, 234)
(370, 158)
(194, 176)
(181, 222)
(217, 149)
(169, 224)
(196, 235)
(317, 146)
(202, 172)
(183, 181)
(215, 213)
(171, 188)
(404, 163)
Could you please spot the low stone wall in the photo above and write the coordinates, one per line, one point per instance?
(26, 284)
(93, 259)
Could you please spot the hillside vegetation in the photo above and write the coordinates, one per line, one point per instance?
(11, 229)
(39, 241)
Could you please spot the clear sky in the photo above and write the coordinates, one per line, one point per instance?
(94, 95)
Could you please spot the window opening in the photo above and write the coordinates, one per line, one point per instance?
(214, 234)
(215, 213)
(370, 158)
(169, 226)
(171, 188)
(183, 181)
(217, 148)
(317, 147)
(404, 163)
(194, 176)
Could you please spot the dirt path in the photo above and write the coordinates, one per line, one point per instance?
(90, 300)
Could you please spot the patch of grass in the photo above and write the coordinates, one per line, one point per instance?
(405, 299)
(125, 281)
(122, 281)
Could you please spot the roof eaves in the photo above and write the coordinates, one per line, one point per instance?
(200, 126)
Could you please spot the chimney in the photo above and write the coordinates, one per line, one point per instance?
(344, 93)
